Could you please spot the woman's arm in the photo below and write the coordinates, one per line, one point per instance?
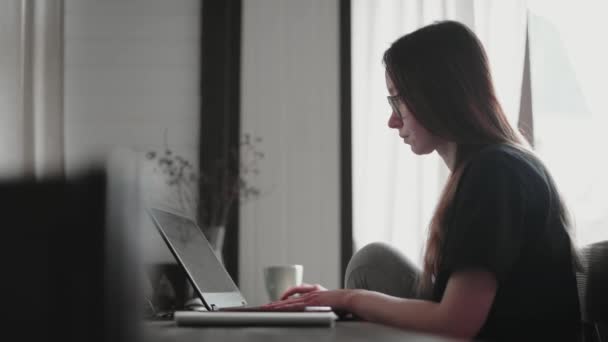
(461, 313)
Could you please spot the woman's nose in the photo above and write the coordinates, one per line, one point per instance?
(394, 121)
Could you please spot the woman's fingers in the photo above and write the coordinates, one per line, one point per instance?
(297, 290)
(301, 289)
(288, 303)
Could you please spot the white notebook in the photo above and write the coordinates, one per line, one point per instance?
(194, 318)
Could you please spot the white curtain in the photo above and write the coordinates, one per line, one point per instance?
(568, 68)
(395, 191)
(31, 87)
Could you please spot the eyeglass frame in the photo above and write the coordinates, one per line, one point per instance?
(393, 101)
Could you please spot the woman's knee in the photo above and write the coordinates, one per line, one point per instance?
(371, 254)
(379, 260)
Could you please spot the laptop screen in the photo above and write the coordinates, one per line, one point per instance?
(195, 254)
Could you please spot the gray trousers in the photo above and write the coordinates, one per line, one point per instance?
(380, 267)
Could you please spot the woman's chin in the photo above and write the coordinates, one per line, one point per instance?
(420, 150)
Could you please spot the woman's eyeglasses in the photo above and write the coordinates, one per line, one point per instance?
(394, 102)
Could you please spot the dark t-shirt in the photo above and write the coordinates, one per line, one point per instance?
(504, 220)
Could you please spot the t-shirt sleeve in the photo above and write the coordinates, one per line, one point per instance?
(484, 228)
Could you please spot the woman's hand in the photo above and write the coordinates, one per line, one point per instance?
(302, 289)
(336, 299)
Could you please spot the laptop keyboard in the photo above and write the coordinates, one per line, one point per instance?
(265, 309)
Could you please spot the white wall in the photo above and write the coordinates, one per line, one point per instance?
(131, 70)
(11, 160)
(290, 89)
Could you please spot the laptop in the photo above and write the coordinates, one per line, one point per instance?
(223, 302)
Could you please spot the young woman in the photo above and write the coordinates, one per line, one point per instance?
(499, 262)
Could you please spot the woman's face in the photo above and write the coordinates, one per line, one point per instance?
(420, 140)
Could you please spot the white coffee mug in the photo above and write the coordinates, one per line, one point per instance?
(278, 278)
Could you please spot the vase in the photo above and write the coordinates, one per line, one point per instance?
(215, 235)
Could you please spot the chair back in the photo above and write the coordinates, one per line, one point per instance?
(593, 291)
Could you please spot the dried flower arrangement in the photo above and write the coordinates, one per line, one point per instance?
(209, 196)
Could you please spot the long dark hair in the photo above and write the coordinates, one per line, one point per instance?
(442, 75)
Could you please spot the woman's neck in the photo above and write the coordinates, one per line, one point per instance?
(447, 151)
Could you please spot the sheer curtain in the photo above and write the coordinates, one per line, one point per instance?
(31, 87)
(568, 57)
(395, 191)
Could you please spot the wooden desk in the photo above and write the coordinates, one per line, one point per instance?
(166, 331)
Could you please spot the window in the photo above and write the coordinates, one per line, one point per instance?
(568, 69)
(395, 192)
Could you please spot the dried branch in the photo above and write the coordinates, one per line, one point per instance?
(225, 183)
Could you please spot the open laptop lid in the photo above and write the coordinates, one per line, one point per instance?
(193, 252)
